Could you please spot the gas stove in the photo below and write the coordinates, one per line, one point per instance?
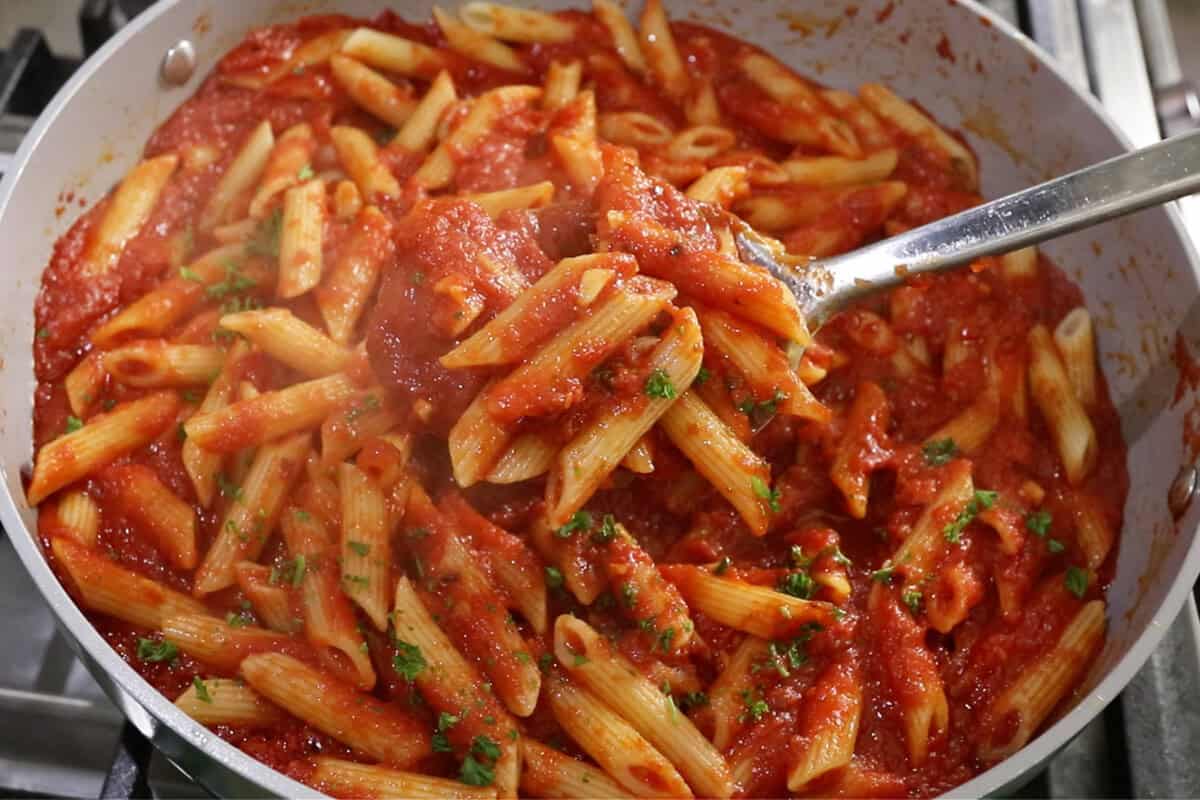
(60, 736)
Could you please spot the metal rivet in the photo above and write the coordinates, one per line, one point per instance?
(1183, 488)
(179, 63)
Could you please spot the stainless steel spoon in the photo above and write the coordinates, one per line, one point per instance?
(1130, 182)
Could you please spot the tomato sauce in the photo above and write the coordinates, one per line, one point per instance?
(441, 244)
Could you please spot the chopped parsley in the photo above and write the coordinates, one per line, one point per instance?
(290, 571)
(659, 385)
(912, 599)
(579, 659)
(939, 451)
(760, 413)
(629, 595)
(201, 690)
(228, 488)
(665, 637)
(756, 706)
(722, 566)
(239, 620)
(1076, 581)
(702, 377)
(43, 333)
(544, 662)
(765, 492)
(358, 580)
(235, 282)
(554, 578)
(302, 515)
(441, 744)
(359, 548)
(478, 767)
(305, 173)
(151, 651)
(74, 424)
(693, 700)
(239, 304)
(579, 521)
(1038, 522)
(408, 660)
(797, 584)
(180, 432)
(418, 277)
(608, 530)
(265, 241)
(369, 403)
(884, 574)
(189, 274)
(982, 501)
(1055, 546)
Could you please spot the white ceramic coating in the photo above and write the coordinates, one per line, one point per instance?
(966, 66)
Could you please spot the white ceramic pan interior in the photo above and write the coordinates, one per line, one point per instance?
(1139, 276)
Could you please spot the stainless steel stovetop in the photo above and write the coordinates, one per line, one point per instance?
(59, 735)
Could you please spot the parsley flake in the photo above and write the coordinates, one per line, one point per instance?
(722, 566)
(151, 651)
(74, 424)
(1076, 581)
(658, 384)
(579, 521)
(554, 578)
(201, 690)
(982, 501)
(1038, 522)
(797, 584)
(608, 530)
(765, 492)
(939, 451)
(359, 548)
(408, 660)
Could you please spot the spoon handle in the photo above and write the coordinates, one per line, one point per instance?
(1156, 174)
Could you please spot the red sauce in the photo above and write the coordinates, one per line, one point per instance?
(436, 244)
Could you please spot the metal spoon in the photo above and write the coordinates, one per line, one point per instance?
(1130, 182)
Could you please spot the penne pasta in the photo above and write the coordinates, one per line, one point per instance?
(658, 47)
(290, 156)
(301, 239)
(372, 91)
(720, 186)
(725, 695)
(516, 24)
(270, 600)
(393, 54)
(1072, 430)
(156, 364)
(365, 553)
(84, 383)
(535, 195)
(1077, 347)
(227, 702)
(78, 518)
(144, 500)
(607, 675)
(239, 178)
(545, 772)
(840, 171)
(885, 103)
(220, 644)
(289, 340)
(351, 779)
(128, 209)
(359, 155)
(624, 40)
(99, 441)
(826, 738)
(473, 44)
(418, 133)
(562, 84)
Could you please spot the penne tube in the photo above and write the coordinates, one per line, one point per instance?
(508, 337)
(757, 610)
(720, 186)
(239, 178)
(870, 131)
(1093, 534)
(542, 385)
(271, 601)
(104, 587)
(700, 143)
(437, 171)
(920, 551)
(587, 460)
(156, 510)
(373, 92)
(624, 754)
(301, 239)
(1072, 430)
(289, 340)
(450, 683)
(971, 427)
(662, 55)
(624, 40)
(792, 208)
(647, 600)
(128, 209)
(342, 297)
(352, 779)
(77, 517)
(84, 383)
(633, 128)
(1040, 687)
(908, 118)
(829, 728)
(715, 451)
(725, 696)
(313, 52)
(476, 442)
(418, 133)
(347, 201)
(545, 772)
(227, 702)
(562, 84)
(270, 415)
(640, 458)
(221, 645)
(253, 511)
(529, 455)
(345, 430)
(202, 465)
(1077, 346)
(290, 157)
(701, 107)
(1020, 264)
(371, 727)
(589, 659)
(75, 455)
(470, 607)
(517, 24)
(329, 622)
(155, 364)
(839, 171)
(359, 155)
(393, 54)
(172, 300)
(812, 125)
(366, 550)
(535, 195)
(582, 575)
(383, 459)
(762, 363)
(472, 44)
(862, 447)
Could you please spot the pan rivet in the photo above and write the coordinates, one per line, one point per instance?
(179, 63)
(1182, 490)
